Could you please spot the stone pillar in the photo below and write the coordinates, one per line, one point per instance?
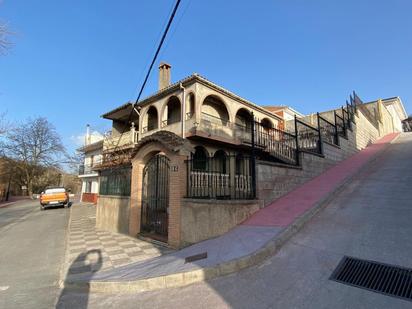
(136, 197)
(132, 133)
(177, 191)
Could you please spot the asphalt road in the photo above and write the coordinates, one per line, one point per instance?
(32, 246)
(370, 219)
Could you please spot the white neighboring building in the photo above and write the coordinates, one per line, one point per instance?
(397, 111)
(92, 151)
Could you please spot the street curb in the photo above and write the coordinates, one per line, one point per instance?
(7, 204)
(226, 268)
(66, 251)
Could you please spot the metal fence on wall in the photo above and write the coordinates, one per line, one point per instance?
(276, 142)
(340, 125)
(328, 130)
(308, 136)
(221, 177)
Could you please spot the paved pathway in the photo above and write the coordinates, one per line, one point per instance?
(371, 219)
(90, 249)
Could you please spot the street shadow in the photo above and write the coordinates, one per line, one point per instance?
(70, 298)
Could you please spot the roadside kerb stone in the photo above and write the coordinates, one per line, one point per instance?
(229, 267)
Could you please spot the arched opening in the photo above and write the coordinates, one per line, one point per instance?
(239, 164)
(152, 119)
(200, 159)
(214, 110)
(172, 111)
(190, 106)
(155, 198)
(243, 119)
(219, 162)
(266, 123)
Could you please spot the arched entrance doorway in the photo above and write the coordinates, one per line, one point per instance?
(155, 198)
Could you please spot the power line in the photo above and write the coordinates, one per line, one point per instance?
(149, 70)
(158, 50)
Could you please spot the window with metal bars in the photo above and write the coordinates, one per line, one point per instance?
(115, 181)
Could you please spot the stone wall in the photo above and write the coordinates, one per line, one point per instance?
(275, 180)
(386, 121)
(366, 132)
(113, 213)
(204, 219)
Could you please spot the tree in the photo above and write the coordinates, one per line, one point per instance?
(31, 147)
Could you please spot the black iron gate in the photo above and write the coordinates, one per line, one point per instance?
(155, 198)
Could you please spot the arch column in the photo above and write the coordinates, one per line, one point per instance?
(177, 189)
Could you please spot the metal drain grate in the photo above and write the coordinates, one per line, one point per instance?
(374, 276)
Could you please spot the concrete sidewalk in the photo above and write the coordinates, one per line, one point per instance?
(248, 244)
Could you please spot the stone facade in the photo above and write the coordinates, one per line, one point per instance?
(113, 213)
(204, 219)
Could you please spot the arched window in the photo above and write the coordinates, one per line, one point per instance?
(240, 164)
(266, 123)
(200, 158)
(215, 111)
(172, 111)
(243, 119)
(219, 162)
(152, 118)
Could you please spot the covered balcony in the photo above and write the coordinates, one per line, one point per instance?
(125, 128)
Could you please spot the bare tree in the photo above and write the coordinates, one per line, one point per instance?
(5, 42)
(33, 146)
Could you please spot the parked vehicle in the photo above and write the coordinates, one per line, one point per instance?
(56, 196)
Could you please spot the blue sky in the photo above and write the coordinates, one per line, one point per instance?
(74, 60)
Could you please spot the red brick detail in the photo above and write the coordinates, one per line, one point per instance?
(89, 198)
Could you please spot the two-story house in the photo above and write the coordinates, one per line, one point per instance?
(193, 130)
(92, 157)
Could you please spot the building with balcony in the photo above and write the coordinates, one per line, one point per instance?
(193, 160)
(92, 157)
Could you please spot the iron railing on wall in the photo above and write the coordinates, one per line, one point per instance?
(346, 119)
(277, 142)
(340, 125)
(308, 136)
(328, 130)
(222, 177)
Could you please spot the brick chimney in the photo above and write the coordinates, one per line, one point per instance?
(164, 75)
